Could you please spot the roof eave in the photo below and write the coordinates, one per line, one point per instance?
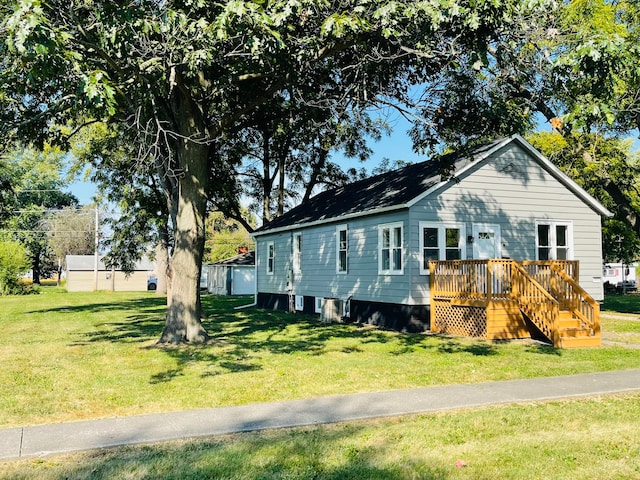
(338, 219)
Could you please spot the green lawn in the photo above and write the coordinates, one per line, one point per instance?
(79, 356)
(72, 356)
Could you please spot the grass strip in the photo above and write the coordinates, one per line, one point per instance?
(588, 439)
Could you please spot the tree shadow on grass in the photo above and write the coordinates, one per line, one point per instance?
(478, 348)
(442, 343)
(308, 452)
(239, 338)
(143, 302)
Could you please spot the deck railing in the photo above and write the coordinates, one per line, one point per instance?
(541, 288)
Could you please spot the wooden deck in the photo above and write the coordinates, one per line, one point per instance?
(503, 299)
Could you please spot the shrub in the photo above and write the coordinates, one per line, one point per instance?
(14, 263)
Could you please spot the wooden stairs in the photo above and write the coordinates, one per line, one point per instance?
(566, 314)
(572, 333)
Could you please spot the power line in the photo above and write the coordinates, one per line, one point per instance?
(53, 210)
(46, 231)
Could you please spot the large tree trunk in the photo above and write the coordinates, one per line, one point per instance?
(162, 260)
(184, 311)
(267, 180)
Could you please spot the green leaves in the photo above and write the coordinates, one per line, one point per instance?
(341, 24)
(13, 264)
(99, 91)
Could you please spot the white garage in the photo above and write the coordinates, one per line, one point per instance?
(233, 276)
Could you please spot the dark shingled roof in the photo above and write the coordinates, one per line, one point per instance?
(248, 258)
(386, 190)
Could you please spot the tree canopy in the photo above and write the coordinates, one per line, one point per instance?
(177, 79)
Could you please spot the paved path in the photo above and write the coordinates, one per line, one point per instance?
(76, 436)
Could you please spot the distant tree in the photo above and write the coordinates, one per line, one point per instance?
(283, 151)
(71, 231)
(14, 263)
(608, 170)
(139, 190)
(620, 242)
(224, 238)
(574, 66)
(37, 183)
(6, 190)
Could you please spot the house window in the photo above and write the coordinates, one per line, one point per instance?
(318, 304)
(299, 300)
(271, 256)
(342, 247)
(554, 241)
(297, 252)
(390, 239)
(440, 241)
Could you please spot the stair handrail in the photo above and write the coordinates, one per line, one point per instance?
(528, 289)
(580, 303)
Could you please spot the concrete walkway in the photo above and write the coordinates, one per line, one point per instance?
(76, 436)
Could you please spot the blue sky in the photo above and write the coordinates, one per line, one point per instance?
(397, 146)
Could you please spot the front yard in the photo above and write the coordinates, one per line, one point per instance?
(89, 355)
(77, 356)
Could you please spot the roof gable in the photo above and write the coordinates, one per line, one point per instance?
(404, 187)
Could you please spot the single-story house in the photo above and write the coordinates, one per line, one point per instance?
(233, 276)
(369, 250)
(81, 276)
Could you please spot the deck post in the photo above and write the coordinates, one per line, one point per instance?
(432, 303)
(489, 281)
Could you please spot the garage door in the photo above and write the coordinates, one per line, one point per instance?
(243, 282)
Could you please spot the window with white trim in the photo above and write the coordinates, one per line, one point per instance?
(441, 241)
(297, 252)
(318, 304)
(554, 240)
(271, 257)
(390, 246)
(342, 249)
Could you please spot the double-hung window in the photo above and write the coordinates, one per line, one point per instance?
(297, 252)
(342, 249)
(390, 246)
(553, 240)
(271, 257)
(440, 241)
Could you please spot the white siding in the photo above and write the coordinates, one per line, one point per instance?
(318, 276)
(514, 191)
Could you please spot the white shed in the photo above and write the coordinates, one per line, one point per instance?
(233, 276)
